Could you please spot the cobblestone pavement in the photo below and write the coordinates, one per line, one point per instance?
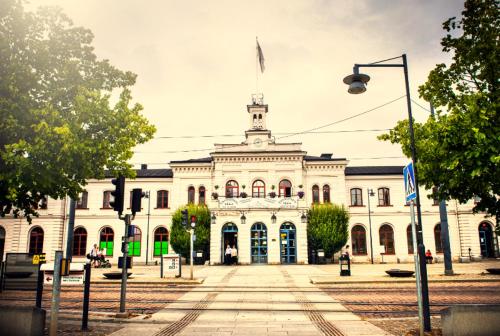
(141, 298)
(394, 307)
(400, 299)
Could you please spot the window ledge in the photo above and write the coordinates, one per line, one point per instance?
(105, 208)
(385, 206)
(161, 208)
(357, 206)
(81, 208)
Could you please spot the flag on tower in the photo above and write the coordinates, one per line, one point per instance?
(260, 56)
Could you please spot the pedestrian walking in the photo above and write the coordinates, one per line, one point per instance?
(227, 255)
(234, 255)
(428, 257)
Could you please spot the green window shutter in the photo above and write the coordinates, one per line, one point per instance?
(109, 249)
(164, 247)
(157, 248)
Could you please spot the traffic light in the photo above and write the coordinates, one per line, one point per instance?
(117, 203)
(137, 195)
(184, 218)
(193, 221)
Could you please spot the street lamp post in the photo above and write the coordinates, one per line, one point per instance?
(357, 84)
(370, 193)
(148, 196)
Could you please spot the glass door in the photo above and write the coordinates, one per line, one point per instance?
(288, 244)
(258, 243)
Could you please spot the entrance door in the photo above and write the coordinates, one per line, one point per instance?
(258, 234)
(229, 237)
(288, 244)
(486, 240)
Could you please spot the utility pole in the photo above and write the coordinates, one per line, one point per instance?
(123, 290)
(56, 293)
(148, 196)
(370, 193)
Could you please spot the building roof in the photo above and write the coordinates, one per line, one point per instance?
(201, 160)
(149, 173)
(374, 170)
(323, 157)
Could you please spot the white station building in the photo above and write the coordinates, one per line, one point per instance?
(280, 182)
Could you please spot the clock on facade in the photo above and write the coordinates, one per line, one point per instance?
(257, 142)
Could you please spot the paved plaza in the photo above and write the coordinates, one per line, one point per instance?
(267, 300)
(255, 300)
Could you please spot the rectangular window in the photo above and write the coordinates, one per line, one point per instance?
(81, 203)
(134, 248)
(160, 248)
(356, 197)
(108, 247)
(383, 197)
(106, 198)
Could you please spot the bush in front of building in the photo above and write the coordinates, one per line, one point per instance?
(179, 237)
(327, 228)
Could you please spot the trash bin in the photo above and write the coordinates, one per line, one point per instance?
(199, 259)
(321, 257)
(345, 265)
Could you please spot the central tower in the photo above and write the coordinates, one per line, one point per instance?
(258, 135)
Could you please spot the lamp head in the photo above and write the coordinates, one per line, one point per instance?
(243, 219)
(357, 82)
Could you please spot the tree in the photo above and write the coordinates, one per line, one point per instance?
(327, 227)
(58, 127)
(179, 237)
(459, 148)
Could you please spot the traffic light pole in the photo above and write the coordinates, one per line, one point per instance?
(191, 233)
(123, 291)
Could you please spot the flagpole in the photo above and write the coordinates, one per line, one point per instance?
(256, 66)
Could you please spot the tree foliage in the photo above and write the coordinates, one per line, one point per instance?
(327, 227)
(459, 148)
(58, 126)
(179, 236)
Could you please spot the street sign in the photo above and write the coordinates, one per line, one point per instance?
(38, 259)
(410, 187)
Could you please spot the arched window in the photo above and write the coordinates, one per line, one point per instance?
(437, 238)
(79, 242)
(161, 241)
(36, 240)
(387, 238)
(106, 241)
(409, 239)
(383, 197)
(106, 198)
(162, 199)
(259, 189)
(81, 203)
(326, 193)
(285, 188)
(358, 238)
(232, 189)
(134, 243)
(315, 191)
(191, 194)
(201, 195)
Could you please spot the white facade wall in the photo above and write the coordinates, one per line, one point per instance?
(257, 158)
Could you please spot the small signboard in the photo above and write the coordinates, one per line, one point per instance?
(172, 265)
(38, 259)
(75, 277)
(409, 178)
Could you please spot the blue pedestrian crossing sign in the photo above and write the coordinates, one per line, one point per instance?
(410, 187)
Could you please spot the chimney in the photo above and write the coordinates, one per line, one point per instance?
(144, 166)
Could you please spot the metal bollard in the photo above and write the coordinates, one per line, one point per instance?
(86, 297)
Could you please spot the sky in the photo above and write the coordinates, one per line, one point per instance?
(196, 67)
